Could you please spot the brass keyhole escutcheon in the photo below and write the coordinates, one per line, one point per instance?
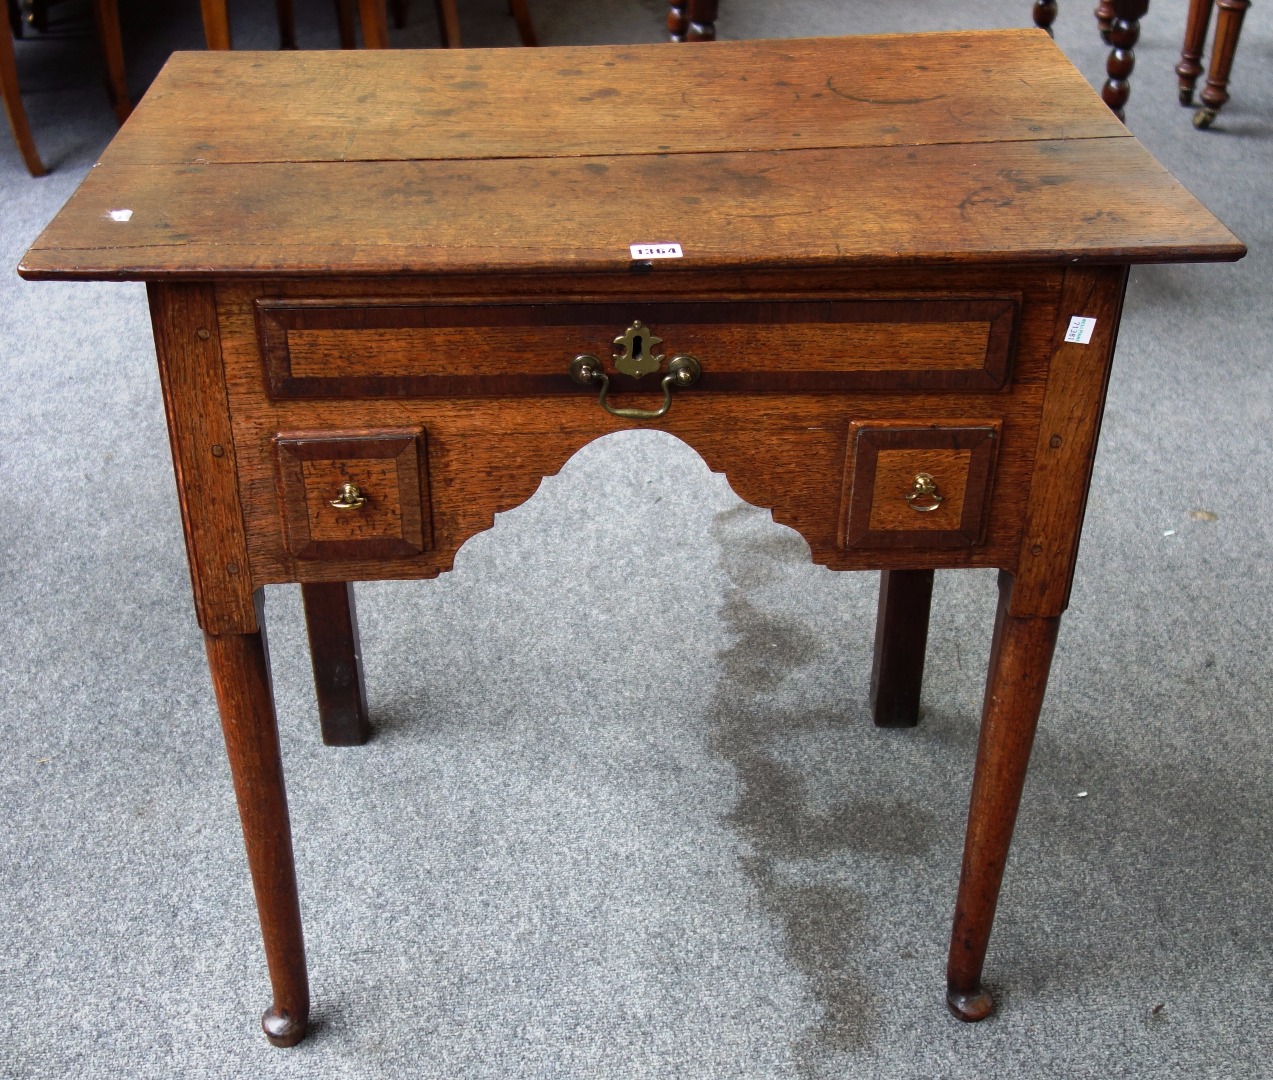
(924, 496)
(638, 357)
(350, 498)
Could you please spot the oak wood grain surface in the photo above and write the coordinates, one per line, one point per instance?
(750, 154)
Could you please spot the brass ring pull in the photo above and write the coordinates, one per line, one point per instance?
(924, 497)
(350, 498)
(682, 371)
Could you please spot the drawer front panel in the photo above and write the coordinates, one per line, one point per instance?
(365, 349)
(354, 495)
(918, 485)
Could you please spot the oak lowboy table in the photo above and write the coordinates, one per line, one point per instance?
(875, 281)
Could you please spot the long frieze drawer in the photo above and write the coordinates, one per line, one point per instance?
(367, 349)
(920, 485)
(354, 495)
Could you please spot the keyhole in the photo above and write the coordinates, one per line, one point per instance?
(638, 340)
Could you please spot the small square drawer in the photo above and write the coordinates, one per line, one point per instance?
(917, 485)
(354, 495)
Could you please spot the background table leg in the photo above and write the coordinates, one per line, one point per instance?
(678, 19)
(375, 24)
(702, 20)
(1105, 15)
(1020, 657)
(901, 634)
(241, 678)
(1123, 34)
(1190, 66)
(1228, 26)
(1045, 15)
(332, 621)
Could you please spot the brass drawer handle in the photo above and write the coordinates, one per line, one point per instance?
(638, 358)
(682, 371)
(924, 497)
(350, 498)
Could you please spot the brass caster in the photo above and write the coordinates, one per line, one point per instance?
(1186, 96)
(1204, 118)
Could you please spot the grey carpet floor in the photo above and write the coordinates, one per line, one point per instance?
(616, 830)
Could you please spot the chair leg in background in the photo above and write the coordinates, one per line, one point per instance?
(13, 107)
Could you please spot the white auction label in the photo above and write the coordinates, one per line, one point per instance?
(1080, 331)
(655, 251)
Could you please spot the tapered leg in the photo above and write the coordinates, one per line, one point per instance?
(1020, 657)
(702, 20)
(106, 15)
(375, 24)
(332, 621)
(449, 20)
(13, 106)
(1123, 35)
(901, 634)
(525, 25)
(1190, 66)
(1228, 26)
(241, 678)
(216, 23)
(678, 19)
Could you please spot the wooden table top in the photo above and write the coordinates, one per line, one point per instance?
(946, 148)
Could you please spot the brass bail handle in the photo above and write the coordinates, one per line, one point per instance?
(924, 496)
(638, 359)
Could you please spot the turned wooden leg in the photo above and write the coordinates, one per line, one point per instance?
(449, 20)
(241, 678)
(332, 621)
(106, 15)
(901, 633)
(1020, 656)
(216, 23)
(1228, 26)
(702, 20)
(1124, 33)
(525, 26)
(678, 19)
(13, 106)
(1190, 66)
(375, 24)
(1105, 14)
(1045, 15)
